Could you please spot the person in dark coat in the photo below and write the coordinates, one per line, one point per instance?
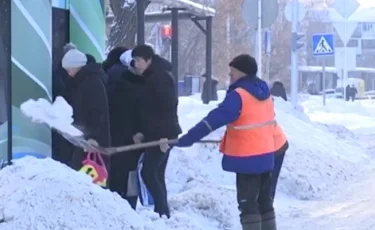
(61, 148)
(113, 57)
(88, 100)
(124, 101)
(206, 85)
(353, 92)
(159, 120)
(90, 58)
(60, 77)
(113, 67)
(278, 90)
(348, 92)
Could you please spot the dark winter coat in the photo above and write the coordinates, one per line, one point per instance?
(124, 108)
(278, 90)
(62, 149)
(114, 74)
(90, 104)
(348, 92)
(113, 57)
(123, 101)
(159, 102)
(59, 80)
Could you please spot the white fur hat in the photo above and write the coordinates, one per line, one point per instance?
(126, 58)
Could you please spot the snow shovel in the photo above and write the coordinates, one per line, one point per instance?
(113, 150)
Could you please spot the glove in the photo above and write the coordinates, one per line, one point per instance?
(92, 142)
(164, 146)
(138, 138)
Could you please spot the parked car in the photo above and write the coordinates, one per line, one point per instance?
(332, 93)
(370, 95)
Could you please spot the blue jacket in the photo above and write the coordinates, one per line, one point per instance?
(227, 112)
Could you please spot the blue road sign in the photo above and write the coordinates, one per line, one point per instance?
(323, 45)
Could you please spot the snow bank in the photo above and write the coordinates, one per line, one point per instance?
(357, 116)
(58, 115)
(43, 194)
(318, 158)
(202, 196)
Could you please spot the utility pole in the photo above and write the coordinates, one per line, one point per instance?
(296, 45)
(259, 33)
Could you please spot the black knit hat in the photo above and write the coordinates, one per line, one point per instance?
(245, 63)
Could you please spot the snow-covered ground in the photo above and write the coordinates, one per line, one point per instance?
(325, 183)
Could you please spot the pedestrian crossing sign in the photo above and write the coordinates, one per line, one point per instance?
(323, 45)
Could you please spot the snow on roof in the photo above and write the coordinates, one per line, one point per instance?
(331, 69)
(365, 13)
(191, 6)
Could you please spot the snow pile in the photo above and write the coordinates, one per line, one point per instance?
(357, 115)
(43, 194)
(315, 153)
(202, 196)
(58, 115)
(313, 104)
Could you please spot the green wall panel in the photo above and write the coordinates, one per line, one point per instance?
(87, 27)
(31, 60)
(31, 71)
(4, 76)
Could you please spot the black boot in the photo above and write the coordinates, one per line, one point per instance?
(269, 221)
(251, 222)
(164, 211)
(132, 201)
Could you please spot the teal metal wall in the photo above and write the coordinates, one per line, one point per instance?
(31, 61)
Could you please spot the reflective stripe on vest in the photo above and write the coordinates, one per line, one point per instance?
(253, 126)
(252, 133)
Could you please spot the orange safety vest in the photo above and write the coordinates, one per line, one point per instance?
(251, 133)
(279, 137)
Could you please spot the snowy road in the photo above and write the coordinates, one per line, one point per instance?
(352, 209)
(350, 206)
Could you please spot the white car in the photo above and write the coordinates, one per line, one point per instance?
(370, 94)
(332, 93)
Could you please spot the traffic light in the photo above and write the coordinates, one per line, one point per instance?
(296, 41)
(166, 32)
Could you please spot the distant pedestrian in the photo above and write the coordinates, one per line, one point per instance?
(353, 92)
(278, 90)
(348, 92)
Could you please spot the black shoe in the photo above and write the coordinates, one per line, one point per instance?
(132, 201)
(163, 212)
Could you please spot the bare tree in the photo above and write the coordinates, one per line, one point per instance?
(125, 23)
